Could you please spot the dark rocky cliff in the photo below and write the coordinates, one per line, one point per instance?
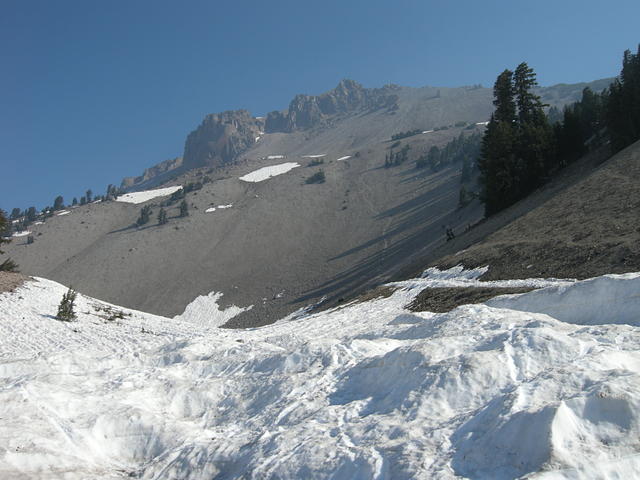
(220, 138)
(307, 111)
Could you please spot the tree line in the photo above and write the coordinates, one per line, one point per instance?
(522, 149)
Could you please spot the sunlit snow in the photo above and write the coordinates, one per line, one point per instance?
(370, 390)
(63, 212)
(346, 157)
(22, 233)
(146, 195)
(265, 173)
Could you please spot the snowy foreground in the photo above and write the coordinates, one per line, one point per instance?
(544, 385)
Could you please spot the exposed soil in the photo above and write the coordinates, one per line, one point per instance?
(444, 299)
(10, 281)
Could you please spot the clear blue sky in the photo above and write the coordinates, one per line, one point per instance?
(92, 91)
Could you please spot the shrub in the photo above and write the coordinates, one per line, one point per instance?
(317, 177)
(65, 309)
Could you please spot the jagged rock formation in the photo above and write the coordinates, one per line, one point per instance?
(307, 111)
(220, 138)
(152, 172)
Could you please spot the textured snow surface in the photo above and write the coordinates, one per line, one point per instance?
(315, 156)
(146, 195)
(22, 233)
(346, 157)
(265, 173)
(369, 390)
(63, 212)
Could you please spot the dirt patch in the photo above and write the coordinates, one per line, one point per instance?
(445, 299)
(10, 281)
(589, 229)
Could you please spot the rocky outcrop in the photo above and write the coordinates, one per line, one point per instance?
(152, 172)
(307, 111)
(220, 138)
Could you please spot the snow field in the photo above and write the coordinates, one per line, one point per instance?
(369, 390)
(315, 156)
(346, 157)
(219, 207)
(63, 212)
(265, 173)
(146, 195)
(22, 233)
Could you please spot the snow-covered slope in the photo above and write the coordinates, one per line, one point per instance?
(369, 390)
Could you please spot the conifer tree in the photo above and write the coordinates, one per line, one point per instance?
(74, 202)
(145, 215)
(58, 203)
(184, 209)
(623, 109)
(66, 311)
(88, 195)
(162, 217)
(8, 265)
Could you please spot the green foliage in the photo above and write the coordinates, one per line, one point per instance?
(408, 133)
(74, 202)
(463, 149)
(4, 225)
(58, 203)
(623, 106)
(15, 214)
(31, 215)
(8, 266)
(162, 217)
(397, 158)
(184, 209)
(83, 200)
(145, 215)
(517, 153)
(88, 196)
(317, 177)
(66, 311)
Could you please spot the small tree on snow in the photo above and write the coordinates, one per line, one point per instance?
(65, 309)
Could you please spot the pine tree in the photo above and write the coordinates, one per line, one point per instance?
(15, 213)
(145, 215)
(66, 311)
(184, 209)
(83, 200)
(88, 195)
(74, 202)
(58, 203)
(162, 217)
(8, 265)
(31, 214)
(623, 106)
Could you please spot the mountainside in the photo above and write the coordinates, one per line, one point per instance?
(350, 115)
(282, 243)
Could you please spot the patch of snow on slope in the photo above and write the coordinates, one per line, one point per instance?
(205, 311)
(63, 212)
(210, 210)
(619, 301)
(315, 156)
(274, 157)
(428, 131)
(265, 173)
(146, 195)
(22, 233)
(369, 390)
(482, 123)
(346, 157)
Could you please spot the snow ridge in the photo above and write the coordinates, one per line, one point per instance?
(499, 390)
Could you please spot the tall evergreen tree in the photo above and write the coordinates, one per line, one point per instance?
(162, 217)
(184, 209)
(74, 202)
(503, 93)
(8, 265)
(58, 203)
(88, 195)
(623, 109)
